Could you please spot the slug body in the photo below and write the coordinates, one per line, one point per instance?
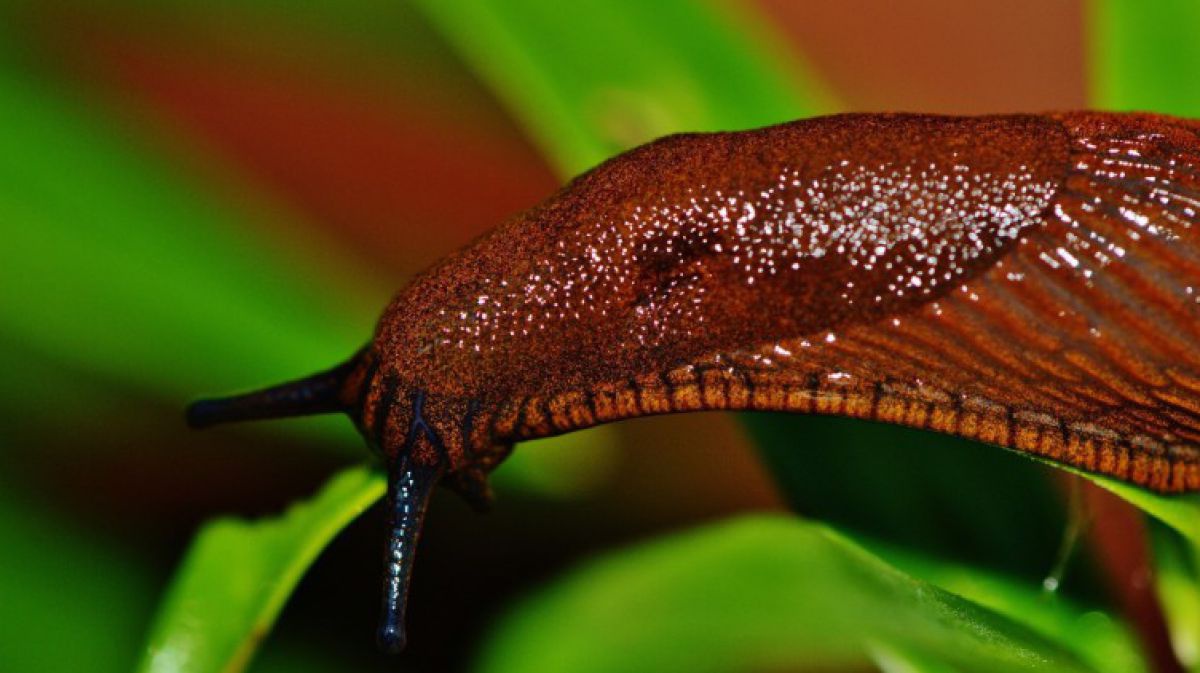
(1030, 281)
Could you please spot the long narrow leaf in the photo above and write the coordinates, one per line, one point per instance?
(1177, 578)
(592, 78)
(1144, 55)
(771, 593)
(237, 576)
(113, 265)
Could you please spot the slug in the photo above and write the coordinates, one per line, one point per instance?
(1029, 281)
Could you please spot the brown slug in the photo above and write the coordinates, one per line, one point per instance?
(1030, 281)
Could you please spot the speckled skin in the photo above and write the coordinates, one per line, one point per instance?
(684, 248)
(748, 255)
(1029, 281)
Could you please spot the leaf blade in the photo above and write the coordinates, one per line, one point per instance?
(237, 575)
(681, 68)
(761, 593)
(1141, 55)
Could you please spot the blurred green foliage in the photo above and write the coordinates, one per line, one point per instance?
(93, 277)
(1177, 573)
(235, 578)
(590, 79)
(71, 601)
(93, 281)
(1142, 55)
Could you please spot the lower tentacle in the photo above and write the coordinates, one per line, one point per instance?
(409, 489)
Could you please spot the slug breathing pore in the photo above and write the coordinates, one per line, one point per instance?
(1029, 281)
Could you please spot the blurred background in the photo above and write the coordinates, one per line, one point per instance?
(202, 197)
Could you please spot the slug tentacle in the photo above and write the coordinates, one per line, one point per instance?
(409, 488)
(322, 393)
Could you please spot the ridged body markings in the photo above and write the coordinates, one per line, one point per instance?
(1077, 344)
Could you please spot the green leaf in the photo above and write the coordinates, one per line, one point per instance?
(891, 659)
(592, 78)
(1144, 55)
(767, 593)
(1181, 512)
(1177, 578)
(1096, 637)
(237, 576)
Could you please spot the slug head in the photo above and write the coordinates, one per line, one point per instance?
(424, 439)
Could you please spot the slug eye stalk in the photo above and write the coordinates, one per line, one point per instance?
(317, 394)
